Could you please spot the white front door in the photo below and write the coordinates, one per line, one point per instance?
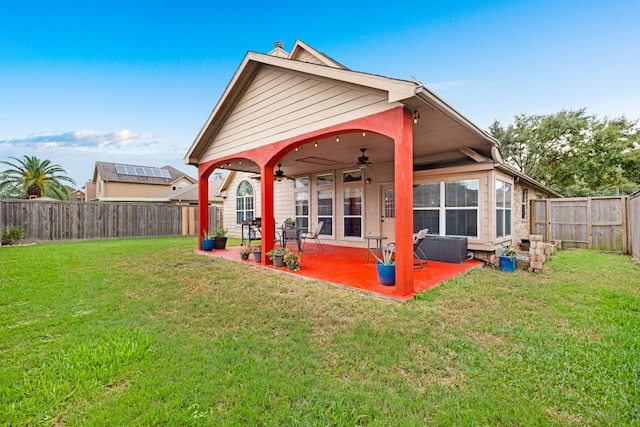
(388, 212)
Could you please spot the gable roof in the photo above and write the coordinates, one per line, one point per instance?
(305, 60)
(107, 172)
(190, 193)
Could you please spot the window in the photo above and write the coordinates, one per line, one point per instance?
(447, 208)
(301, 200)
(352, 212)
(244, 202)
(352, 203)
(325, 203)
(525, 202)
(503, 208)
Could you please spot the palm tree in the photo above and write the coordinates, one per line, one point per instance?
(32, 177)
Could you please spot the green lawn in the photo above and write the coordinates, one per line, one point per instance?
(145, 332)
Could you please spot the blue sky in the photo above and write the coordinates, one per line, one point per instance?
(134, 82)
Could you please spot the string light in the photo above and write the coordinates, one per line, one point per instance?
(316, 144)
(416, 116)
(338, 138)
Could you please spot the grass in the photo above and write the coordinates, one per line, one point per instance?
(145, 332)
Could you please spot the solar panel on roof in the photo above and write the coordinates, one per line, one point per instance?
(142, 171)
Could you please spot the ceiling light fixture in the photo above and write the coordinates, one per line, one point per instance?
(338, 138)
(416, 116)
(316, 144)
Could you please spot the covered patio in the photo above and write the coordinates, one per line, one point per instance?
(348, 267)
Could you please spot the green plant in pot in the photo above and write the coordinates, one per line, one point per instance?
(508, 259)
(289, 222)
(220, 238)
(244, 252)
(386, 267)
(207, 241)
(276, 255)
(292, 260)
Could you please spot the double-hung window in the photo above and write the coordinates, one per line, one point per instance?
(325, 192)
(301, 199)
(504, 192)
(352, 203)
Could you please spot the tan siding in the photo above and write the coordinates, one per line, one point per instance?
(307, 57)
(280, 105)
(283, 201)
(123, 189)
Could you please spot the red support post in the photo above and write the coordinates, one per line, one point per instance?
(403, 155)
(268, 220)
(203, 204)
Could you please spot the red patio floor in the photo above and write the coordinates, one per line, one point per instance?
(347, 267)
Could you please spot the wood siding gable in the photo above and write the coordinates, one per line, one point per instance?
(279, 104)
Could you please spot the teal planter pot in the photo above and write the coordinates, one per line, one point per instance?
(386, 274)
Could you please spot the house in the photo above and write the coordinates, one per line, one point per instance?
(189, 195)
(369, 155)
(76, 194)
(120, 182)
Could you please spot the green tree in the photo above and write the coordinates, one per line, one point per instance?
(32, 177)
(573, 152)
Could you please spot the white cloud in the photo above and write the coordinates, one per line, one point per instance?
(77, 151)
(120, 140)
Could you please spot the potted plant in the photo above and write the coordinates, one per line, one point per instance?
(292, 260)
(386, 267)
(220, 238)
(207, 241)
(244, 252)
(289, 222)
(256, 250)
(276, 255)
(508, 259)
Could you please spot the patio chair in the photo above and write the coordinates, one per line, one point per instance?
(418, 254)
(291, 234)
(313, 236)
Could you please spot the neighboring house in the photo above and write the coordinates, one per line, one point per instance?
(77, 195)
(133, 183)
(366, 154)
(189, 195)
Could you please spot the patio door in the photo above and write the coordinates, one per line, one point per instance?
(388, 212)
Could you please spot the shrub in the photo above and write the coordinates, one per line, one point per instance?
(12, 235)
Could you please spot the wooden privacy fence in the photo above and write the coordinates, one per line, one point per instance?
(62, 220)
(599, 223)
(633, 211)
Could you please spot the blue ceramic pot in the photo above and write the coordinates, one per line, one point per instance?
(386, 274)
(207, 245)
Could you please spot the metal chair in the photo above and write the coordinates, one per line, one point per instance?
(313, 236)
(291, 234)
(417, 252)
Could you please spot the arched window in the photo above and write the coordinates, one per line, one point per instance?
(244, 202)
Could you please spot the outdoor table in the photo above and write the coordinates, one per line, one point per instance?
(378, 245)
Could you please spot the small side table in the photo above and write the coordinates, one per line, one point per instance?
(378, 245)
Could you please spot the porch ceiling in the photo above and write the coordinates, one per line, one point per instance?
(436, 137)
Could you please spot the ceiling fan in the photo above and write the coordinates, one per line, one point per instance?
(279, 174)
(363, 161)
